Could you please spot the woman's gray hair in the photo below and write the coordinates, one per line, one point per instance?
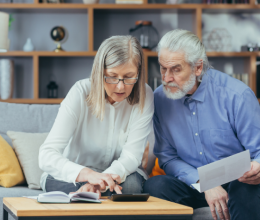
(113, 52)
(185, 41)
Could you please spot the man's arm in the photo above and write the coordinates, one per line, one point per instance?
(169, 160)
(247, 124)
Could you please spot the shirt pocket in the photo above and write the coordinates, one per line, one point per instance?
(224, 143)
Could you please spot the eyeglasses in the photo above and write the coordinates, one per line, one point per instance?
(126, 81)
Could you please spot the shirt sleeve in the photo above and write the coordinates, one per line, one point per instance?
(247, 123)
(51, 159)
(132, 151)
(168, 158)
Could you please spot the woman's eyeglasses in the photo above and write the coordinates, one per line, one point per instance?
(126, 81)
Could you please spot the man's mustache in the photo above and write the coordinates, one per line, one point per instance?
(170, 84)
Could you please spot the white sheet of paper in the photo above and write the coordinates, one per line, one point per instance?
(223, 171)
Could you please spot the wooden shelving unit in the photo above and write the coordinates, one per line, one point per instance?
(196, 10)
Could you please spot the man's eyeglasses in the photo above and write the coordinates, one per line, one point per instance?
(126, 81)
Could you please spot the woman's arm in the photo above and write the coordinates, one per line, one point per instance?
(133, 149)
(50, 154)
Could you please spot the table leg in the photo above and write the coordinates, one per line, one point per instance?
(5, 214)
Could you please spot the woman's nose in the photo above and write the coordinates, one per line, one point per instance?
(120, 85)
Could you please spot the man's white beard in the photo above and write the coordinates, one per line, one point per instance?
(180, 93)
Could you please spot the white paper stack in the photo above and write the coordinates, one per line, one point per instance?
(129, 1)
(4, 22)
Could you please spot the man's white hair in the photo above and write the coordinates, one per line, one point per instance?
(188, 43)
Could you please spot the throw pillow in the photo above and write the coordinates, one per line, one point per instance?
(157, 170)
(11, 173)
(26, 146)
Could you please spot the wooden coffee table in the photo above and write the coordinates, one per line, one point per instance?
(154, 208)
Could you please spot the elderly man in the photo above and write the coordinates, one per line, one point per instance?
(203, 115)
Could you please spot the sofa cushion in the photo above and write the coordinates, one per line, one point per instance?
(203, 214)
(26, 118)
(26, 146)
(11, 173)
(16, 191)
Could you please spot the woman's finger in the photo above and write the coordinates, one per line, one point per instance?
(91, 189)
(117, 178)
(99, 193)
(117, 189)
(80, 189)
(108, 179)
(102, 184)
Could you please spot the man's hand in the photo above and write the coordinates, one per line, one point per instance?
(253, 176)
(218, 197)
(101, 179)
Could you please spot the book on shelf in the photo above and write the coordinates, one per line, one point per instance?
(61, 197)
(129, 1)
(225, 1)
(242, 77)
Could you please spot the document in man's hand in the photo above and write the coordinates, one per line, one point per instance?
(223, 171)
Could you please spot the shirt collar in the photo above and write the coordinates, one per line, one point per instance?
(199, 94)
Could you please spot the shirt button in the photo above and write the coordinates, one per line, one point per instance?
(196, 134)
(194, 113)
(200, 152)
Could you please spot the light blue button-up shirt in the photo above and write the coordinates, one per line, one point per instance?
(220, 119)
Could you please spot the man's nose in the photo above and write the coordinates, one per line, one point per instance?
(167, 77)
(120, 85)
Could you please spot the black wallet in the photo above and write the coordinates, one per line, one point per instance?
(143, 197)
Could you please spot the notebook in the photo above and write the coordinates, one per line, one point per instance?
(61, 197)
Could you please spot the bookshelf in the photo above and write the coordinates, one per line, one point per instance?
(94, 12)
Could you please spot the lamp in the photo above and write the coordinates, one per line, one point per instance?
(4, 41)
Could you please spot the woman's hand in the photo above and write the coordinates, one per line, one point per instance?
(101, 179)
(89, 188)
(96, 189)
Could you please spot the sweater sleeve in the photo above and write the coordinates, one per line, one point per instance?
(51, 159)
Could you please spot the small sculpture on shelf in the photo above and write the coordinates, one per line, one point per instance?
(219, 39)
(59, 35)
(146, 34)
(52, 90)
(28, 46)
(4, 23)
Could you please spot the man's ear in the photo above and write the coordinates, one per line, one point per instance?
(199, 67)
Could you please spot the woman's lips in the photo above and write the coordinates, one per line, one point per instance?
(119, 94)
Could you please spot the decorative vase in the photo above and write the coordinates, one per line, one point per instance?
(4, 21)
(28, 45)
(7, 76)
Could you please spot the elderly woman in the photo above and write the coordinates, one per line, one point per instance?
(99, 136)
